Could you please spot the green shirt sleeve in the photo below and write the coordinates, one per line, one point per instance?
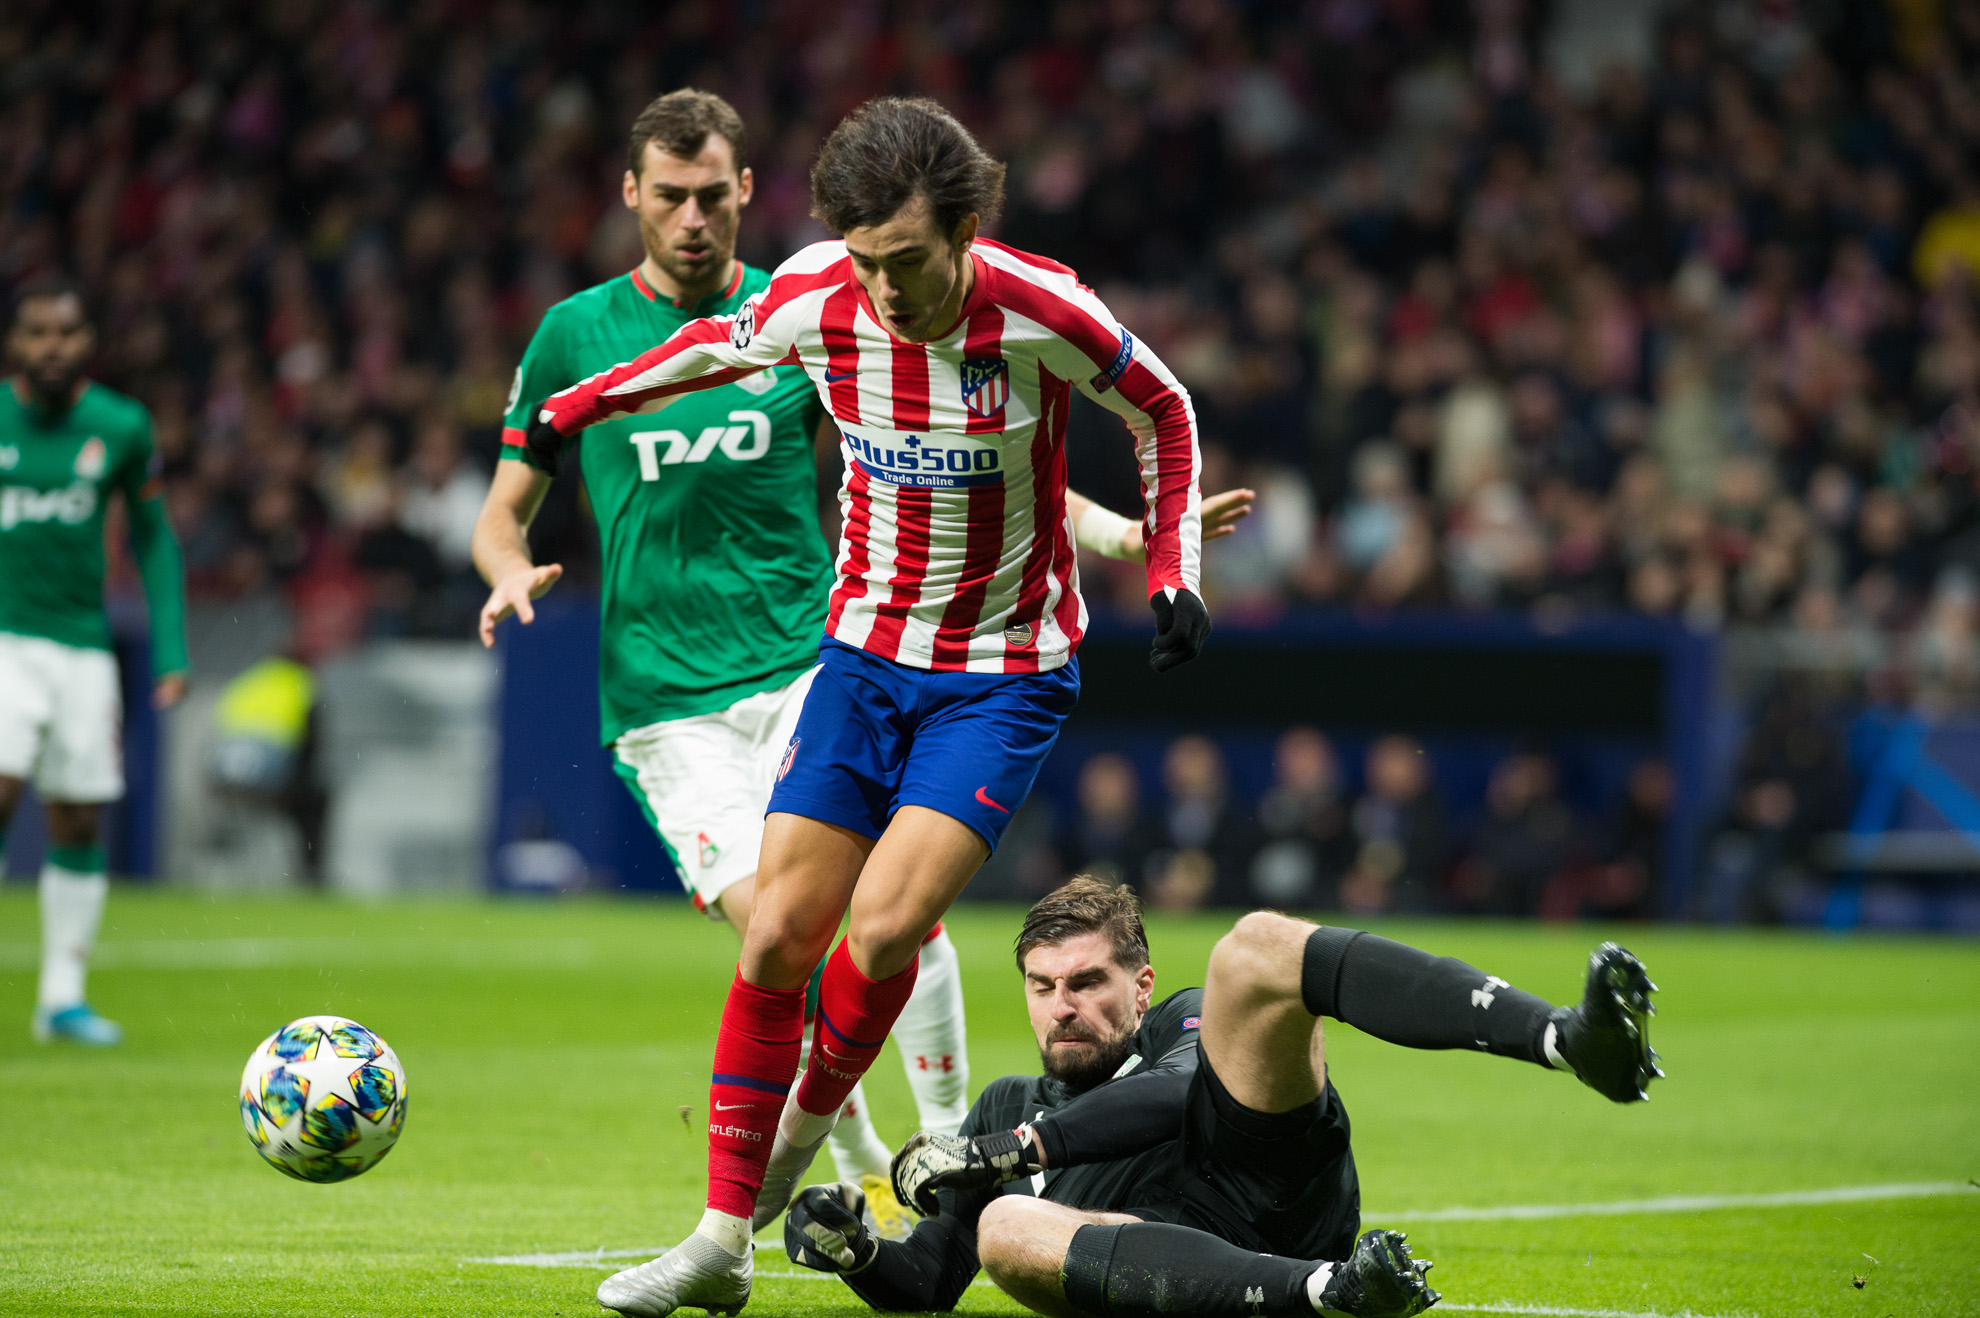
(157, 551)
(542, 373)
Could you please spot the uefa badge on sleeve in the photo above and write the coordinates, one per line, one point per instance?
(986, 385)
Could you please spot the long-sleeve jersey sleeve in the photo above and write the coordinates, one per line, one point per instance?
(160, 565)
(1111, 366)
(1122, 1118)
(700, 354)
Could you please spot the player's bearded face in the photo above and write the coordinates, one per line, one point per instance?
(1085, 1008)
(915, 275)
(51, 341)
(688, 214)
(1080, 1057)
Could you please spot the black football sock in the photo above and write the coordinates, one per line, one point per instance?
(1404, 995)
(1146, 1269)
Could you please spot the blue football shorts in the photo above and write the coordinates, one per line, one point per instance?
(875, 736)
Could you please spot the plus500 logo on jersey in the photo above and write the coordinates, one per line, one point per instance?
(745, 439)
(22, 505)
(927, 462)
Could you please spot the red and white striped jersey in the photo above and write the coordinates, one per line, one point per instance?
(956, 551)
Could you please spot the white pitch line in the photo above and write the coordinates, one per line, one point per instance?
(1555, 1311)
(1693, 1203)
(1680, 1203)
(340, 953)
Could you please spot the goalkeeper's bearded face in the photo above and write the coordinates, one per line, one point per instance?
(1085, 1007)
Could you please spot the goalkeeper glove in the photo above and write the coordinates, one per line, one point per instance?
(825, 1229)
(1182, 624)
(929, 1162)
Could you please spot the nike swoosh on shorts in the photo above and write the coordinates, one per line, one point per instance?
(983, 796)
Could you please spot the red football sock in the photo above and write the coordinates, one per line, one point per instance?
(756, 1054)
(854, 1015)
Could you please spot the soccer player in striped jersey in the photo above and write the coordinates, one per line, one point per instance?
(716, 575)
(948, 363)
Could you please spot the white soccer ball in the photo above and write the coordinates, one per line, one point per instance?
(323, 1098)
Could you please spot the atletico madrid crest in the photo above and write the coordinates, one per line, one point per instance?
(986, 385)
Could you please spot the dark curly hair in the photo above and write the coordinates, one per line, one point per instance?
(890, 151)
(1085, 905)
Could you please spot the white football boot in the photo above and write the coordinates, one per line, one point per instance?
(696, 1274)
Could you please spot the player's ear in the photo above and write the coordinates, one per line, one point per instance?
(965, 233)
(1144, 987)
(745, 186)
(630, 190)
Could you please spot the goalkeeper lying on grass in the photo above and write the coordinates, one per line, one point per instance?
(1193, 1158)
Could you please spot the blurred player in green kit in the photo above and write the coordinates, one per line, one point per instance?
(66, 445)
(716, 574)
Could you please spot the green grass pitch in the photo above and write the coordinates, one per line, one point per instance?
(553, 1049)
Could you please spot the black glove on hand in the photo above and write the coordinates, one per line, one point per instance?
(1181, 627)
(543, 444)
(825, 1229)
(929, 1162)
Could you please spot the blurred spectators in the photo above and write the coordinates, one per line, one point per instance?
(1496, 322)
(1109, 838)
(1304, 841)
(1525, 843)
(1399, 833)
(1792, 786)
(1204, 834)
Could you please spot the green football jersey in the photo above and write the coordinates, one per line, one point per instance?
(716, 574)
(56, 475)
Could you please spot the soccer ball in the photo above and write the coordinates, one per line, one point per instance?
(323, 1099)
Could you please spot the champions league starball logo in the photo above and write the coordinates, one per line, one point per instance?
(91, 458)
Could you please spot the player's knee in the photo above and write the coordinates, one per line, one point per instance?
(781, 948)
(884, 942)
(1000, 1235)
(1259, 952)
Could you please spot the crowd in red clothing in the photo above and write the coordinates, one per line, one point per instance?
(1688, 327)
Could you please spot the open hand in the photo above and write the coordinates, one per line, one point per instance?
(513, 593)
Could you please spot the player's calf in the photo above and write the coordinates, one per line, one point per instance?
(1407, 996)
(1134, 1269)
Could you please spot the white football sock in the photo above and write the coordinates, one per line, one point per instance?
(857, 1149)
(933, 1040)
(794, 1124)
(1316, 1286)
(725, 1229)
(71, 910)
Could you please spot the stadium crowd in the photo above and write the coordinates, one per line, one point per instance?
(1694, 335)
(1690, 331)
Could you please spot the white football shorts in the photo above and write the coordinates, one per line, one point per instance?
(704, 782)
(61, 719)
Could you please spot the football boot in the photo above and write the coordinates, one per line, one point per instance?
(1605, 1039)
(77, 1024)
(696, 1274)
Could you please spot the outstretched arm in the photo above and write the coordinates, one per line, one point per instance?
(700, 354)
(501, 546)
(161, 568)
(1111, 535)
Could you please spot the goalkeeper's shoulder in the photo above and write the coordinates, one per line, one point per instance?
(1005, 1102)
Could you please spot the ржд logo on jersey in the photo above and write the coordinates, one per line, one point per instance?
(745, 440)
(71, 505)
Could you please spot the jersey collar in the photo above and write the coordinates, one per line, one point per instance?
(651, 294)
